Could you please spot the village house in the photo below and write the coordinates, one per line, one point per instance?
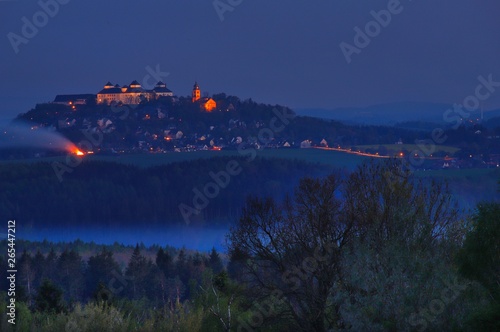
(208, 104)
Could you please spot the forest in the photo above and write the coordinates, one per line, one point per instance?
(109, 194)
(373, 249)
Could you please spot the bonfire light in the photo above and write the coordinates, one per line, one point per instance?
(74, 150)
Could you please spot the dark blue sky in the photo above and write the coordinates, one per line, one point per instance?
(284, 52)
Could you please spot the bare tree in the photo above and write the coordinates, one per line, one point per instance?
(294, 251)
(400, 257)
(313, 251)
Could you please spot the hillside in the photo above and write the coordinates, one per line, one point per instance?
(178, 125)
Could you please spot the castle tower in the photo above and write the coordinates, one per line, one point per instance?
(196, 92)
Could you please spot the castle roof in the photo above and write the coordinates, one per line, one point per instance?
(161, 89)
(133, 87)
(130, 89)
(111, 90)
(204, 100)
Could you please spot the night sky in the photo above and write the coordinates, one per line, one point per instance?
(284, 52)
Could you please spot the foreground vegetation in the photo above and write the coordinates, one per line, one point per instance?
(371, 250)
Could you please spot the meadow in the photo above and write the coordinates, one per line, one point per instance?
(330, 158)
(468, 185)
(395, 149)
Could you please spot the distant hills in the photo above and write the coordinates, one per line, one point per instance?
(392, 113)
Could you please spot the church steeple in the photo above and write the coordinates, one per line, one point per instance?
(196, 95)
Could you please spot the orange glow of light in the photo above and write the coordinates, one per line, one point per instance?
(74, 150)
(210, 105)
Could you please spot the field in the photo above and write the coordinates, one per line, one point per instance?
(479, 182)
(393, 149)
(331, 158)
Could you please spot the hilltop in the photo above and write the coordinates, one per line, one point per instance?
(133, 120)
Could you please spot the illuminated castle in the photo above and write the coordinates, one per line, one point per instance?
(208, 104)
(133, 93)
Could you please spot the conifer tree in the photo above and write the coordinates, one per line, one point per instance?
(70, 276)
(49, 298)
(215, 262)
(137, 271)
(164, 262)
(102, 268)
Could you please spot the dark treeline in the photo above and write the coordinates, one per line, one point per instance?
(87, 271)
(57, 278)
(116, 194)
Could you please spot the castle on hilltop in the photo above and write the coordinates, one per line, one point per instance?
(132, 94)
